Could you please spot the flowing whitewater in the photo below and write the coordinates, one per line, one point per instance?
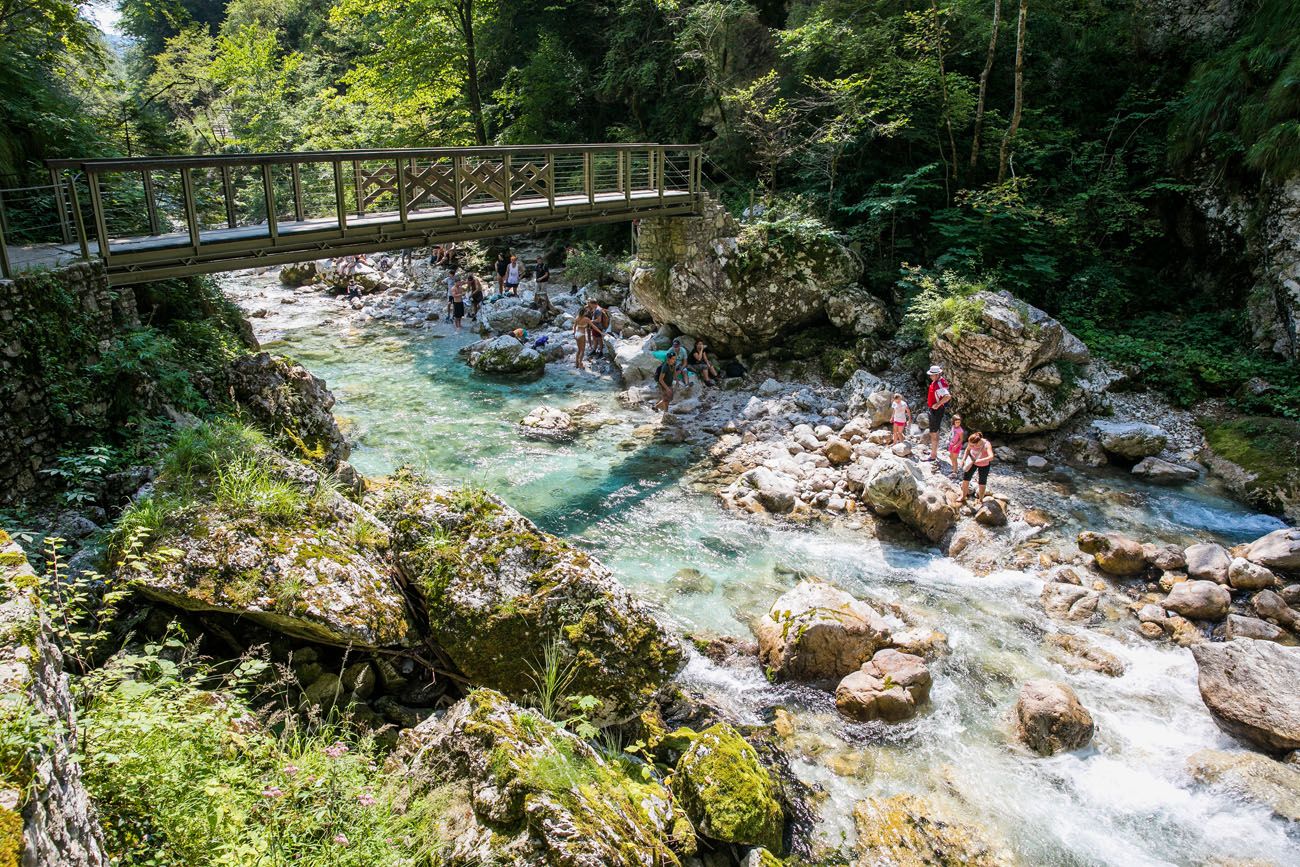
(405, 397)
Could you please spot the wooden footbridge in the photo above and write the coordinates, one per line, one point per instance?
(150, 218)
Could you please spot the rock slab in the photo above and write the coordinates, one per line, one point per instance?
(1250, 689)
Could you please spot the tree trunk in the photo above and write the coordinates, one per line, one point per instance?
(984, 85)
(1004, 158)
(943, 88)
(465, 16)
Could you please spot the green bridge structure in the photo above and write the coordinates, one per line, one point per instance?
(150, 218)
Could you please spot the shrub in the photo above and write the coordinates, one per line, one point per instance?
(941, 301)
(587, 264)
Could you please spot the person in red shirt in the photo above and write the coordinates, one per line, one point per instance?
(936, 401)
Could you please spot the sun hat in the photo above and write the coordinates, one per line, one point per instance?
(935, 370)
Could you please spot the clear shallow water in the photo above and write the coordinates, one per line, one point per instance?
(1127, 800)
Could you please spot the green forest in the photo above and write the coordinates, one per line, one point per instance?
(1054, 148)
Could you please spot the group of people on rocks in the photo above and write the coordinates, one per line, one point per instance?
(679, 366)
(968, 456)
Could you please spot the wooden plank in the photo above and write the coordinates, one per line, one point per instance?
(457, 170)
(507, 172)
(296, 177)
(268, 196)
(78, 219)
(191, 215)
(101, 222)
(228, 193)
(356, 188)
(401, 190)
(56, 181)
(151, 202)
(340, 205)
(550, 183)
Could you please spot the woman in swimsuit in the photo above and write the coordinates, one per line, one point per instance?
(978, 458)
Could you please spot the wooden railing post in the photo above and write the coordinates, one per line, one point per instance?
(268, 196)
(97, 211)
(625, 161)
(298, 213)
(589, 177)
(356, 184)
(508, 171)
(340, 203)
(550, 181)
(151, 202)
(228, 193)
(401, 190)
(662, 157)
(191, 214)
(77, 218)
(61, 206)
(457, 170)
(4, 253)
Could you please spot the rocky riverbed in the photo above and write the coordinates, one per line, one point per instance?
(718, 509)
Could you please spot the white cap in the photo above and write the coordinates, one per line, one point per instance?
(934, 370)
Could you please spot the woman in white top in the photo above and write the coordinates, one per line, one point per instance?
(901, 415)
(513, 271)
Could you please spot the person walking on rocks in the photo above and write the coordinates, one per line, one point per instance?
(451, 282)
(664, 376)
(502, 266)
(514, 271)
(599, 325)
(901, 416)
(936, 402)
(976, 461)
(458, 301)
(583, 326)
(956, 441)
(475, 295)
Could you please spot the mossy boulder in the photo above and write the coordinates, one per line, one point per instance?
(291, 405)
(727, 792)
(526, 791)
(499, 594)
(1258, 459)
(270, 539)
(909, 831)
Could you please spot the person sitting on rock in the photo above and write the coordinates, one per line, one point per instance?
(700, 364)
(665, 374)
(678, 353)
(936, 402)
(955, 444)
(901, 416)
(599, 325)
(978, 459)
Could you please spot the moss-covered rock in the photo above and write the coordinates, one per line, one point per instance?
(499, 593)
(1259, 460)
(257, 535)
(537, 794)
(908, 831)
(727, 792)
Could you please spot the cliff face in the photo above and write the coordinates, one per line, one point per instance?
(44, 790)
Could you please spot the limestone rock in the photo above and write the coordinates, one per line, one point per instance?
(1116, 554)
(1084, 451)
(506, 314)
(1279, 550)
(1271, 606)
(1050, 718)
(1208, 561)
(909, 831)
(1238, 626)
(635, 362)
(710, 278)
(776, 492)
(547, 423)
(288, 402)
(1199, 600)
(991, 513)
(857, 311)
(1005, 373)
(1069, 601)
(1245, 575)
(1162, 472)
(727, 793)
(525, 791)
(1075, 653)
(1250, 689)
(298, 273)
(498, 592)
(1130, 439)
(818, 632)
(308, 563)
(895, 486)
(866, 394)
(838, 452)
(890, 687)
(505, 356)
(1251, 776)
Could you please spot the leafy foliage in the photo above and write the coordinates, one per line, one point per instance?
(941, 302)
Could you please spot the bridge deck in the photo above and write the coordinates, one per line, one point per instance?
(209, 214)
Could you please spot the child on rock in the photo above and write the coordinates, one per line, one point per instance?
(902, 417)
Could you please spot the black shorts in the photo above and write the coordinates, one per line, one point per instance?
(936, 418)
(514, 285)
(983, 473)
(458, 309)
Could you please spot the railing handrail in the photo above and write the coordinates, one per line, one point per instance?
(112, 164)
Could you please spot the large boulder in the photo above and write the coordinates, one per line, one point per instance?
(506, 314)
(896, 486)
(1049, 718)
(1162, 472)
(1252, 777)
(735, 287)
(1199, 600)
(1071, 602)
(1115, 554)
(547, 423)
(817, 632)
(1245, 575)
(727, 793)
(1208, 562)
(909, 831)
(288, 402)
(855, 310)
(635, 361)
(1133, 440)
(774, 491)
(890, 687)
(298, 273)
(267, 539)
(1279, 550)
(525, 791)
(1017, 371)
(866, 394)
(1250, 689)
(505, 356)
(503, 599)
